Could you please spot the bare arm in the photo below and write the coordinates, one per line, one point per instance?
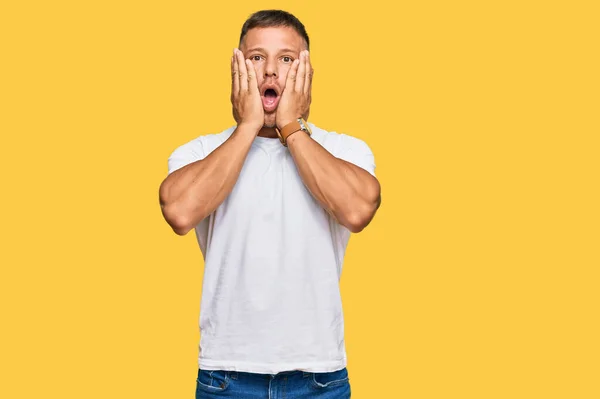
(347, 192)
(194, 191)
(350, 194)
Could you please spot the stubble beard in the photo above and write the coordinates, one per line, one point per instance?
(270, 120)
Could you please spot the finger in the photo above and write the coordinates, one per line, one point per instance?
(235, 82)
(291, 75)
(243, 72)
(252, 82)
(309, 75)
(300, 77)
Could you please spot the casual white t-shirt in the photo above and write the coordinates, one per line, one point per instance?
(273, 261)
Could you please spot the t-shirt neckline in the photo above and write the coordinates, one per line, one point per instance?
(267, 142)
(273, 142)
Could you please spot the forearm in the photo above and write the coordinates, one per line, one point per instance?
(347, 192)
(194, 191)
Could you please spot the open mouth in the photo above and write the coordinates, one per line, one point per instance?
(270, 99)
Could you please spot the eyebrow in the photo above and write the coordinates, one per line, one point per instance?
(285, 50)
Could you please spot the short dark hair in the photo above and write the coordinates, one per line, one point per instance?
(274, 18)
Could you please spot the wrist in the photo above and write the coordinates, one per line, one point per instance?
(289, 129)
(248, 128)
(297, 135)
(281, 124)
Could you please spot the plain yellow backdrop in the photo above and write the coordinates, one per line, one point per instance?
(478, 278)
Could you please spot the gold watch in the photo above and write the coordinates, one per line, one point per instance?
(292, 127)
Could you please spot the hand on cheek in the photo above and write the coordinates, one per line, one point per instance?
(246, 104)
(296, 98)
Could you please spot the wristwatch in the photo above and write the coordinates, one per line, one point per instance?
(292, 127)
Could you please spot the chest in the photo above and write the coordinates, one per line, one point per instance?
(270, 191)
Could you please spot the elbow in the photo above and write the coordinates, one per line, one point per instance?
(175, 217)
(360, 219)
(180, 224)
(355, 228)
(357, 223)
(181, 230)
(172, 212)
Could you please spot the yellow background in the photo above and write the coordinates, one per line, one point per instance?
(478, 277)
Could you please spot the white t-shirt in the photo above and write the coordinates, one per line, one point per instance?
(273, 261)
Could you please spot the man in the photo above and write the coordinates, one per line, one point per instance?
(273, 201)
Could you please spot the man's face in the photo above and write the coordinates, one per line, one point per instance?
(272, 51)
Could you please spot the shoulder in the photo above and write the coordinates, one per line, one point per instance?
(197, 148)
(206, 143)
(337, 143)
(345, 147)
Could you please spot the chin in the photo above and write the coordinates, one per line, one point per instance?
(269, 122)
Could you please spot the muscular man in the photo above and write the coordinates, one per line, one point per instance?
(273, 201)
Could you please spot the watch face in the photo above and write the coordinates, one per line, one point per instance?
(304, 126)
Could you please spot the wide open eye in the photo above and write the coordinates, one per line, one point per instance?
(287, 59)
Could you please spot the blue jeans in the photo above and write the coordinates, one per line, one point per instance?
(295, 384)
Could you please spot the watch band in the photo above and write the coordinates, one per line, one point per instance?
(289, 129)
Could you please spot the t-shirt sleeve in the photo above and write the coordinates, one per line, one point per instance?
(357, 152)
(185, 154)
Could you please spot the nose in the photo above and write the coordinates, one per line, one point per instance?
(271, 69)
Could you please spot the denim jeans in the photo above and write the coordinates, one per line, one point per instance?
(295, 384)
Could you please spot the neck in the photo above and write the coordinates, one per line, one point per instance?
(268, 132)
